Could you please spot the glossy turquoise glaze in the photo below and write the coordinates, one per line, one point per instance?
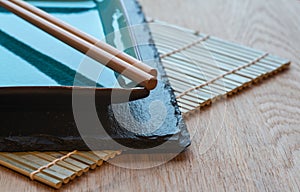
(31, 57)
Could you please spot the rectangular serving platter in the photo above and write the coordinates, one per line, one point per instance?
(37, 84)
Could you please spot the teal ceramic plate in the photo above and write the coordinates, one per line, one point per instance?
(36, 68)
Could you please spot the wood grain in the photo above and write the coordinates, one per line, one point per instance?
(249, 142)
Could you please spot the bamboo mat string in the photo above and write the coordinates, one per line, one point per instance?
(51, 164)
(185, 47)
(223, 75)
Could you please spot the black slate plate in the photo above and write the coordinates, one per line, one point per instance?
(130, 126)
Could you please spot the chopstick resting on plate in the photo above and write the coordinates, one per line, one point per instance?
(97, 50)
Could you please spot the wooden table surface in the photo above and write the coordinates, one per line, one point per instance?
(250, 142)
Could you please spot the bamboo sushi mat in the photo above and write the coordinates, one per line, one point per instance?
(55, 168)
(202, 68)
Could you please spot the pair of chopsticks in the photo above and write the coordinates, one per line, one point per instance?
(92, 47)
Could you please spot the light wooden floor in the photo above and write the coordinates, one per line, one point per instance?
(257, 147)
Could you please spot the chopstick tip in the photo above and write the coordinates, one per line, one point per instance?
(151, 83)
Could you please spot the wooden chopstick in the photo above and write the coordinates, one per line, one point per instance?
(81, 42)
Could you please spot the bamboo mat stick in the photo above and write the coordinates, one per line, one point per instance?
(190, 98)
(92, 157)
(101, 155)
(203, 95)
(115, 63)
(77, 157)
